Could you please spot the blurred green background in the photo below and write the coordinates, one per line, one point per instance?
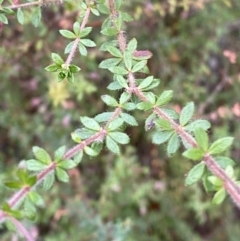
(140, 195)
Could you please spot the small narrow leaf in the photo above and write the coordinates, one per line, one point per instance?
(62, 175)
(85, 31)
(195, 174)
(201, 138)
(194, 154)
(132, 45)
(112, 145)
(34, 165)
(114, 51)
(67, 164)
(161, 137)
(146, 82)
(107, 63)
(164, 98)
(67, 34)
(118, 70)
(89, 151)
(115, 124)
(57, 59)
(119, 137)
(41, 155)
(204, 124)
(109, 100)
(48, 181)
(20, 16)
(173, 144)
(224, 161)
(59, 153)
(88, 42)
(122, 81)
(127, 57)
(137, 67)
(124, 97)
(90, 123)
(220, 145)
(219, 196)
(145, 106)
(130, 120)
(186, 114)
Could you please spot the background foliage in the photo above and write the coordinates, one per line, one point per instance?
(139, 195)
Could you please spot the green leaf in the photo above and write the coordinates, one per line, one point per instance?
(90, 123)
(107, 63)
(230, 172)
(164, 98)
(76, 28)
(109, 31)
(145, 106)
(48, 181)
(119, 137)
(57, 59)
(194, 154)
(85, 32)
(163, 124)
(69, 47)
(114, 86)
(36, 16)
(61, 76)
(14, 184)
(204, 124)
(170, 113)
(224, 161)
(78, 157)
(146, 82)
(219, 196)
(3, 19)
(130, 120)
(115, 124)
(88, 42)
(132, 45)
(103, 117)
(150, 97)
(52, 68)
(118, 70)
(29, 208)
(59, 153)
(82, 49)
(161, 137)
(67, 34)
(67, 164)
(95, 11)
(62, 175)
(114, 51)
(103, 9)
(173, 144)
(41, 155)
(74, 68)
(195, 174)
(186, 114)
(36, 198)
(20, 16)
(215, 181)
(127, 57)
(112, 145)
(106, 45)
(220, 145)
(31, 180)
(129, 106)
(89, 151)
(122, 81)
(84, 133)
(109, 100)
(124, 97)
(137, 67)
(201, 138)
(34, 165)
